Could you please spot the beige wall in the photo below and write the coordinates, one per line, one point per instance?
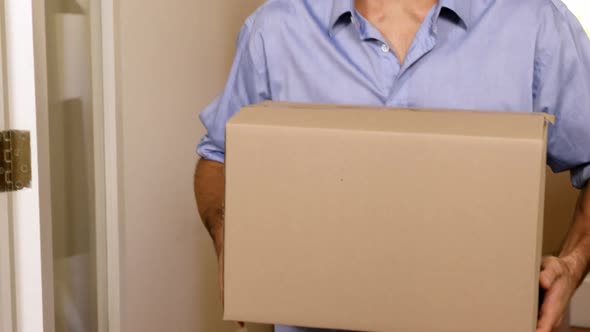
(173, 59)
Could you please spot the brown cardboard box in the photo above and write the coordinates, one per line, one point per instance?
(373, 220)
(560, 202)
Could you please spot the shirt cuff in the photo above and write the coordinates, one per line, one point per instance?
(581, 176)
(210, 151)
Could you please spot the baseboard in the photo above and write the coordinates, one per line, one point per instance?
(581, 306)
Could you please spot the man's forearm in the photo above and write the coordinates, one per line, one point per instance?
(209, 183)
(576, 250)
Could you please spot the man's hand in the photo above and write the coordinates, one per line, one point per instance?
(209, 185)
(217, 237)
(561, 276)
(559, 282)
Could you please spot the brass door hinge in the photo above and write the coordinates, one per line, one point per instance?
(15, 160)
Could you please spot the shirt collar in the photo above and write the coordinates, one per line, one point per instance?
(461, 8)
(342, 11)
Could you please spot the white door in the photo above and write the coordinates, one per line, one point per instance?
(52, 234)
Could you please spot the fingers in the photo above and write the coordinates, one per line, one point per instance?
(552, 309)
(552, 270)
(553, 278)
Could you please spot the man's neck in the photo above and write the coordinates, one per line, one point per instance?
(397, 20)
(381, 8)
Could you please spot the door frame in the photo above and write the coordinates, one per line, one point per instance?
(29, 218)
(26, 275)
(104, 22)
(7, 318)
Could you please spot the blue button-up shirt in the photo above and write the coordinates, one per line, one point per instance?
(509, 55)
(521, 56)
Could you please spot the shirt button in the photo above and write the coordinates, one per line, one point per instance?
(385, 48)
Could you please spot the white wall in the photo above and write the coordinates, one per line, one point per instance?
(173, 58)
(581, 8)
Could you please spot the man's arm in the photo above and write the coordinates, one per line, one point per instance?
(577, 246)
(209, 185)
(561, 82)
(210, 196)
(562, 275)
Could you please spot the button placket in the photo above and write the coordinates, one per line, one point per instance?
(389, 68)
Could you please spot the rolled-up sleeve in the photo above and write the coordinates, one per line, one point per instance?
(562, 88)
(247, 84)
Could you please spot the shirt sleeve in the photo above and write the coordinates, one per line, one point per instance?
(247, 84)
(562, 87)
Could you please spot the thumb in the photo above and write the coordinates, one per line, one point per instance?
(552, 270)
(547, 278)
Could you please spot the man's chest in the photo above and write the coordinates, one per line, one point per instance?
(453, 71)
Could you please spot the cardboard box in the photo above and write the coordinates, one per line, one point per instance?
(560, 202)
(384, 220)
